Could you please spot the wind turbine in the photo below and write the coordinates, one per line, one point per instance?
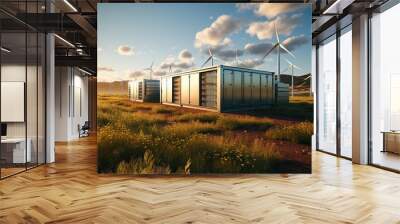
(150, 69)
(211, 57)
(292, 67)
(278, 45)
(304, 81)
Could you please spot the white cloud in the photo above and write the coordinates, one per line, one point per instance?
(266, 30)
(136, 74)
(258, 48)
(216, 34)
(185, 55)
(247, 6)
(294, 42)
(229, 54)
(185, 60)
(247, 63)
(269, 10)
(125, 50)
(106, 69)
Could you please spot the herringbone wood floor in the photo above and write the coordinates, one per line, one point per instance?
(70, 191)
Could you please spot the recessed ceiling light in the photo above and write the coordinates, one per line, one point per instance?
(64, 40)
(70, 5)
(84, 71)
(5, 50)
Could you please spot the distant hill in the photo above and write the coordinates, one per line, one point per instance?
(298, 80)
(301, 84)
(113, 88)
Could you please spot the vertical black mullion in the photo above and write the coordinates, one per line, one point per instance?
(316, 95)
(37, 90)
(338, 75)
(45, 88)
(369, 98)
(26, 86)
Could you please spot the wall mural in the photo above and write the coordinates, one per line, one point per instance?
(195, 88)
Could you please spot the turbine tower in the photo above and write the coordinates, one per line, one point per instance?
(150, 69)
(278, 45)
(292, 67)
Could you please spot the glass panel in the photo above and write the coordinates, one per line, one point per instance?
(41, 98)
(31, 98)
(327, 95)
(346, 92)
(13, 86)
(385, 84)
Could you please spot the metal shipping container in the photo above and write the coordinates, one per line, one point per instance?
(144, 90)
(219, 88)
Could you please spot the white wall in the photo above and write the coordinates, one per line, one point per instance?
(71, 87)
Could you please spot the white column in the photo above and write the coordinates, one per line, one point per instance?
(50, 99)
(360, 90)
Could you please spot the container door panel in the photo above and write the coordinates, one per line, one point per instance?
(228, 88)
(185, 89)
(164, 90)
(237, 88)
(270, 89)
(264, 89)
(169, 89)
(209, 89)
(256, 88)
(194, 89)
(176, 90)
(140, 90)
(247, 88)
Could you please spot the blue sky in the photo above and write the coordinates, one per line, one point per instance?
(177, 36)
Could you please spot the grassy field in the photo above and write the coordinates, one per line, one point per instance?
(146, 138)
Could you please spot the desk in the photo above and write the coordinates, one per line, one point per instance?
(13, 150)
(391, 141)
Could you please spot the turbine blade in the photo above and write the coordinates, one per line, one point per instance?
(208, 59)
(276, 33)
(298, 67)
(284, 48)
(209, 51)
(268, 52)
(290, 63)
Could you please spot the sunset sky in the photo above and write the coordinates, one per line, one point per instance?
(133, 36)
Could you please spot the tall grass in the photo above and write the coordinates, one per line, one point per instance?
(201, 117)
(163, 110)
(184, 130)
(196, 154)
(243, 123)
(297, 133)
(136, 138)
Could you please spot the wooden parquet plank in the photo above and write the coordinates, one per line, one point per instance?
(70, 191)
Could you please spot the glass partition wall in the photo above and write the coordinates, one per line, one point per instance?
(334, 104)
(326, 106)
(22, 98)
(346, 95)
(385, 89)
